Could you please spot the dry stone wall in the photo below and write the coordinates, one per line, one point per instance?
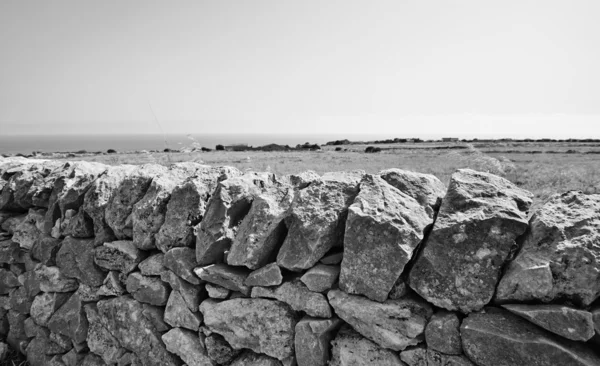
(197, 265)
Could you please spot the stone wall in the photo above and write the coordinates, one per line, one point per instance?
(153, 265)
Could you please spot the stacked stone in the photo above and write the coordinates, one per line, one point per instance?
(153, 265)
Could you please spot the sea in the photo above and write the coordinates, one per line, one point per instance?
(128, 143)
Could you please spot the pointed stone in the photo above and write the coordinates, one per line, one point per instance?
(99, 338)
(182, 262)
(76, 259)
(229, 277)
(399, 290)
(153, 265)
(321, 277)
(8, 281)
(178, 315)
(298, 296)
(219, 350)
(187, 346)
(443, 333)
(45, 305)
(52, 280)
(27, 232)
(120, 255)
(192, 295)
(333, 258)
(9, 250)
(269, 275)
(150, 290)
(45, 249)
(111, 286)
(217, 292)
(426, 189)
(349, 348)
(155, 315)
(70, 320)
(312, 339)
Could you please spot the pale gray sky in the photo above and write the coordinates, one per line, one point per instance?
(459, 67)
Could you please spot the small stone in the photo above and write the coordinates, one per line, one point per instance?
(312, 339)
(568, 322)
(156, 316)
(150, 290)
(421, 356)
(75, 258)
(321, 277)
(182, 262)
(45, 249)
(298, 296)
(187, 346)
(8, 281)
(111, 286)
(192, 295)
(443, 333)
(92, 360)
(269, 275)
(153, 265)
(219, 350)
(20, 301)
(226, 276)
(178, 315)
(217, 292)
(70, 320)
(333, 258)
(52, 280)
(9, 251)
(399, 290)
(120, 255)
(351, 349)
(45, 305)
(87, 293)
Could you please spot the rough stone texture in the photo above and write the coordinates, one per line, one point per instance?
(76, 259)
(219, 350)
(178, 315)
(16, 337)
(70, 320)
(249, 358)
(312, 339)
(399, 290)
(155, 315)
(264, 326)
(120, 255)
(298, 296)
(187, 207)
(316, 221)
(10, 224)
(568, 322)
(475, 231)
(421, 356)
(20, 301)
(596, 317)
(269, 275)
(45, 249)
(351, 349)
(231, 278)
(8, 281)
(498, 338)
(187, 346)
(442, 333)
(393, 324)
(182, 262)
(262, 231)
(77, 224)
(45, 305)
(111, 286)
(217, 292)
(52, 280)
(321, 277)
(560, 256)
(27, 232)
(153, 265)
(99, 338)
(88, 293)
(149, 290)
(118, 212)
(192, 295)
(9, 250)
(3, 351)
(427, 189)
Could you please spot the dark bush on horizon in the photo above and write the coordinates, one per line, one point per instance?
(81, 152)
(219, 147)
(338, 149)
(111, 151)
(206, 149)
(372, 149)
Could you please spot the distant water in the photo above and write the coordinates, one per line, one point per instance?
(121, 143)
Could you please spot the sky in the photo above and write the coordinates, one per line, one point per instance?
(466, 68)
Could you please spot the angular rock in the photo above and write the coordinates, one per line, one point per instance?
(264, 326)
(77, 224)
(45, 249)
(226, 208)
(99, 338)
(72, 358)
(298, 296)
(333, 258)
(150, 290)
(474, 233)
(192, 295)
(10, 224)
(27, 232)
(302, 180)
(76, 259)
(51, 279)
(217, 292)
(9, 250)
(443, 333)
(421, 356)
(427, 189)
(393, 324)
(111, 286)
(321, 277)
(20, 301)
(568, 322)
(182, 262)
(153, 265)
(36, 352)
(92, 360)
(187, 207)
(312, 339)
(8, 281)
(16, 337)
(399, 290)
(70, 320)
(231, 278)
(3, 351)
(351, 349)
(269, 275)
(316, 221)
(45, 305)
(178, 315)
(219, 350)
(119, 210)
(560, 256)
(249, 358)
(156, 316)
(187, 346)
(500, 338)
(88, 293)
(596, 317)
(120, 255)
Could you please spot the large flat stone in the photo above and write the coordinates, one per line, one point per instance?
(70, 320)
(121, 255)
(147, 289)
(231, 278)
(426, 189)
(269, 275)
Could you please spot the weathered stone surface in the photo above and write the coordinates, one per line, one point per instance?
(52, 280)
(383, 229)
(442, 333)
(16, 337)
(316, 221)
(568, 322)
(9, 250)
(182, 262)
(153, 265)
(88, 293)
(187, 346)
(351, 349)
(262, 231)
(498, 338)
(427, 189)
(192, 295)
(45, 305)
(119, 211)
(156, 316)
(75, 258)
(36, 355)
(560, 256)
(20, 301)
(10, 224)
(219, 350)
(421, 356)
(312, 339)
(99, 338)
(72, 358)
(217, 292)
(8, 281)
(27, 232)
(92, 360)
(123, 318)
(187, 207)
(321, 277)
(393, 324)
(150, 290)
(111, 286)
(225, 210)
(596, 317)
(226, 276)
(249, 358)
(178, 315)
(269, 275)
(475, 231)
(264, 326)
(121, 255)
(45, 249)
(298, 296)
(77, 224)
(399, 290)
(70, 320)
